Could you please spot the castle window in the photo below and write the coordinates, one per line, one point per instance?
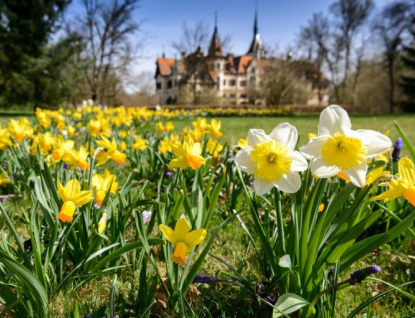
(158, 85)
(252, 81)
(243, 83)
(243, 96)
(253, 70)
(170, 84)
(232, 83)
(224, 82)
(218, 66)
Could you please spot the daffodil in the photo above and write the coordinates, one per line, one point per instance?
(110, 152)
(214, 128)
(200, 124)
(103, 183)
(166, 145)
(243, 143)
(169, 126)
(4, 179)
(272, 159)
(139, 143)
(188, 154)
(214, 147)
(338, 147)
(61, 147)
(182, 238)
(102, 224)
(404, 185)
(77, 158)
(195, 134)
(72, 197)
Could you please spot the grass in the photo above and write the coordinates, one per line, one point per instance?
(235, 128)
(232, 244)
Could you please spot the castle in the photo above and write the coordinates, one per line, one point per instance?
(230, 78)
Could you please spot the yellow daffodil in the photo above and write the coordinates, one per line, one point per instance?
(214, 147)
(72, 197)
(167, 144)
(61, 147)
(214, 128)
(17, 130)
(102, 224)
(103, 183)
(182, 239)
(169, 126)
(110, 152)
(243, 143)
(77, 158)
(200, 124)
(139, 143)
(321, 207)
(195, 134)
(188, 154)
(43, 117)
(4, 180)
(404, 185)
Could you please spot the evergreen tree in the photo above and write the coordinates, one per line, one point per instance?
(31, 71)
(408, 79)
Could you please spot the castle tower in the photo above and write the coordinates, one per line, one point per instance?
(215, 48)
(257, 47)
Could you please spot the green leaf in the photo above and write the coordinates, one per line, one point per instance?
(287, 304)
(406, 140)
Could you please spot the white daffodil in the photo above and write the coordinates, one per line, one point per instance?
(272, 159)
(337, 147)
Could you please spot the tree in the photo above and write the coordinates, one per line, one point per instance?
(31, 69)
(352, 16)
(198, 36)
(408, 79)
(106, 29)
(390, 27)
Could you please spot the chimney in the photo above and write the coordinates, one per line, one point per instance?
(183, 54)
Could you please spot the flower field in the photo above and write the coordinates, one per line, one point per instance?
(118, 212)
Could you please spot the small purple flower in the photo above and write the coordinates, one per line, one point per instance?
(360, 275)
(206, 279)
(262, 294)
(89, 315)
(65, 166)
(4, 165)
(167, 173)
(397, 147)
(146, 216)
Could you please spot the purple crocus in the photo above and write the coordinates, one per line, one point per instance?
(146, 216)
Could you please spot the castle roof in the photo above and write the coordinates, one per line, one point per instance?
(215, 48)
(166, 66)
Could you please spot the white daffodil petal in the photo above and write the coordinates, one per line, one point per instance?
(243, 159)
(285, 134)
(263, 186)
(290, 183)
(357, 174)
(299, 163)
(321, 169)
(256, 136)
(313, 148)
(376, 143)
(333, 119)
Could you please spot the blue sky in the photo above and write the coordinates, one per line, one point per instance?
(161, 22)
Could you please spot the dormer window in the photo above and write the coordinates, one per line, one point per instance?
(218, 66)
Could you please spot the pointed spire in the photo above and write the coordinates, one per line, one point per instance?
(257, 48)
(256, 18)
(215, 48)
(162, 54)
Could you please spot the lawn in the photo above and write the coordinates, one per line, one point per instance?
(235, 128)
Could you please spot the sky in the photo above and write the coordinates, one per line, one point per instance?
(161, 21)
